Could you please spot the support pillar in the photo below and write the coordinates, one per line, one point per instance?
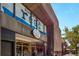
(50, 40)
(30, 49)
(22, 49)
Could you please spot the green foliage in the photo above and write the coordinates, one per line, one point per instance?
(72, 35)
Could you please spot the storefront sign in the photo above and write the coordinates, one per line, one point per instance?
(22, 12)
(23, 15)
(36, 33)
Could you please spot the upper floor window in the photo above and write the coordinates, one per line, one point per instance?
(22, 12)
(39, 25)
(7, 8)
(44, 29)
(34, 21)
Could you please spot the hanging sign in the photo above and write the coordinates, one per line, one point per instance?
(36, 33)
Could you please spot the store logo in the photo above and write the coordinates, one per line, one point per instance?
(36, 33)
(24, 13)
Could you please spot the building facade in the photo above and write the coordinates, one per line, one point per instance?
(28, 28)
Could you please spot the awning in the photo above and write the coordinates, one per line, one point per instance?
(26, 39)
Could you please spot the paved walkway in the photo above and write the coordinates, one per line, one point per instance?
(69, 54)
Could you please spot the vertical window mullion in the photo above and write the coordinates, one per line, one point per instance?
(30, 19)
(14, 7)
(36, 23)
(0, 6)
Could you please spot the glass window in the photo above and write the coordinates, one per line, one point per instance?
(30, 18)
(7, 8)
(38, 25)
(45, 30)
(22, 12)
(41, 26)
(33, 21)
(26, 15)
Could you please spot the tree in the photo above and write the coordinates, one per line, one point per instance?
(72, 36)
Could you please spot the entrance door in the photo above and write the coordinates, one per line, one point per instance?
(22, 49)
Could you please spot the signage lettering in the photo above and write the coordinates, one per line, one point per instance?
(24, 13)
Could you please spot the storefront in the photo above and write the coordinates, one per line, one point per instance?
(26, 45)
(29, 31)
(29, 28)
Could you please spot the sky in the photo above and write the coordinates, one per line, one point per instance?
(67, 14)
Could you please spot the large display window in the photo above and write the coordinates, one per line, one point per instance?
(22, 49)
